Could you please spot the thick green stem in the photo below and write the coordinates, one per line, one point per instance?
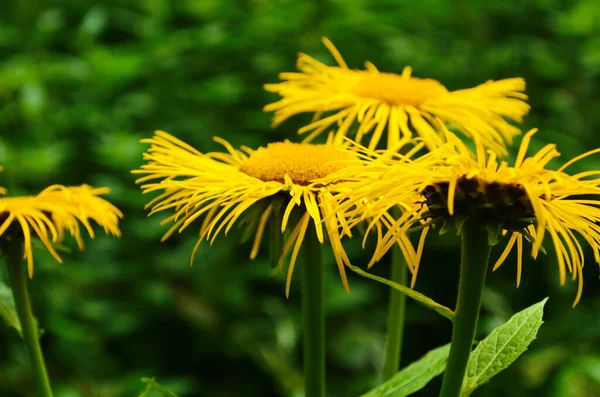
(395, 319)
(475, 256)
(12, 251)
(313, 316)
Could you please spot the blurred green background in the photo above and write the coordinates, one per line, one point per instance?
(81, 82)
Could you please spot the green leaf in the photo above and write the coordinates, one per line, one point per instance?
(147, 391)
(502, 347)
(447, 227)
(57, 246)
(416, 296)
(414, 377)
(152, 385)
(494, 230)
(459, 222)
(7, 308)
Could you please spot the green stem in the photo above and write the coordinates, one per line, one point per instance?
(395, 320)
(12, 251)
(313, 316)
(475, 256)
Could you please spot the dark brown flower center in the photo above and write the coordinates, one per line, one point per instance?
(497, 203)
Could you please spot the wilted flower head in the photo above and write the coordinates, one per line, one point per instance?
(525, 201)
(399, 102)
(56, 210)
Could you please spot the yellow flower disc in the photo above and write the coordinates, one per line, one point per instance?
(396, 89)
(302, 162)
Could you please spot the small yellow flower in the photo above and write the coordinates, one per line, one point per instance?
(525, 201)
(400, 102)
(52, 212)
(244, 186)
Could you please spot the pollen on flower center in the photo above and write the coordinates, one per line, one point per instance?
(302, 162)
(397, 89)
(500, 203)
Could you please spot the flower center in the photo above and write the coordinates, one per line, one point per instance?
(397, 89)
(302, 162)
(504, 204)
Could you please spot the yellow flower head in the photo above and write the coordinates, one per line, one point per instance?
(248, 186)
(360, 197)
(52, 212)
(400, 102)
(525, 201)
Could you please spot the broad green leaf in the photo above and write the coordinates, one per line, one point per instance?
(415, 376)
(416, 296)
(7, 308)
(502, 347)
(151, 386)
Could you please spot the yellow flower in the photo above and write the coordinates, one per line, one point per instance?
(245, 186)
(376, 100)
(360, 197)
(525, 201)
(52, 212)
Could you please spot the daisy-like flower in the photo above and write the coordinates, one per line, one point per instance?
(524, 202)
(400, 102)
(52, 213)
(279, 181)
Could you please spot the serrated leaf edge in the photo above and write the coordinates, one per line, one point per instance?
(472, 383)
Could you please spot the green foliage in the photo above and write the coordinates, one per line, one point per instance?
(7, 308)
(414, 377)
(502, 347)
(416, 296)
(154, 386)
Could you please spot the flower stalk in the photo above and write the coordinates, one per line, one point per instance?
(12, 251)
(313, 316)
(396, 314)
(474, 264)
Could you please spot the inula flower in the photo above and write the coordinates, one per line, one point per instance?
(399, 102)
(56, 210)
(253, 187)
(525, 201)
(355, 198)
